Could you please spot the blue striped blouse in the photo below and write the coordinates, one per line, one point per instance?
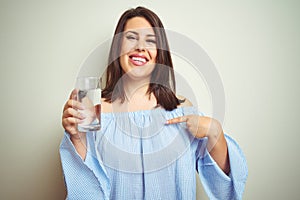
(136, 155)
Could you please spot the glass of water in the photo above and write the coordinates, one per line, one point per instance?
(89, 94)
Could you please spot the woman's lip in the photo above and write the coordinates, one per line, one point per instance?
(139, 56)
(137, 62)
(138, 59)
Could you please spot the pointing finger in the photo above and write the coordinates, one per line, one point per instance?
(177, 120)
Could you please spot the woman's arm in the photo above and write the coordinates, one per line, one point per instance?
(201, 126)
(79, 142)
(71, 117)
(217, 145)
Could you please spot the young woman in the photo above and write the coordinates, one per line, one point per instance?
(151, 141)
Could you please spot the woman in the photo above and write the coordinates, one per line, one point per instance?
(151, 141)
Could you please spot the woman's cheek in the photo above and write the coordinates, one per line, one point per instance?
(127, 47)
(153, 54)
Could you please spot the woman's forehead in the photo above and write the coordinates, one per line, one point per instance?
(139, 25)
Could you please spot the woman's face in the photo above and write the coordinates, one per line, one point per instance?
(138, 53)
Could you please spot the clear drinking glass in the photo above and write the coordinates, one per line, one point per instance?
(89, 94)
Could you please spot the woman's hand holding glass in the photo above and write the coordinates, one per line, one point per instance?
(82, 111)
(70, 120)
(72, 115)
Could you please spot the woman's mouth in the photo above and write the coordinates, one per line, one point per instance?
(138, 60)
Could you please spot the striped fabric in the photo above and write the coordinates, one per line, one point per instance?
(136, 155)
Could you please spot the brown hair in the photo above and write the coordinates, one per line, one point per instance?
(162, 83)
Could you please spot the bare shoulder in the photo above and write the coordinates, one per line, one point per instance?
(186, 102)
(106, 107)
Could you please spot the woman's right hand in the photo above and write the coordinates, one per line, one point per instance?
(71, 116)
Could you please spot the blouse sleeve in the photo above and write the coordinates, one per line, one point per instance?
(216, 183)
(84, 179)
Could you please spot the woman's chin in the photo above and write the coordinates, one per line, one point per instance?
(140, 72)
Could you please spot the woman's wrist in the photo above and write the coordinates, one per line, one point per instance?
(214, 129)
(214, 133)
(79, 141)
(77, 136)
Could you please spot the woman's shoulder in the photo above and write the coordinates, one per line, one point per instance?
(106, 107)
(185, 102)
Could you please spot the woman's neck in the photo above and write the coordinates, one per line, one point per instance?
(135, 88)
(136, 97)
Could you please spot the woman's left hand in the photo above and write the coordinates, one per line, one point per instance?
(199, 126)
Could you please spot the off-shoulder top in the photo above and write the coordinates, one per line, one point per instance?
(136, 155)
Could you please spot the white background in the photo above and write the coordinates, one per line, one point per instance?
(254, 45)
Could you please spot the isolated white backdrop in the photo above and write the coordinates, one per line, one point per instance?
(255, 46)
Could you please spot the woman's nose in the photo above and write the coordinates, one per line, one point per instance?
(140, 45)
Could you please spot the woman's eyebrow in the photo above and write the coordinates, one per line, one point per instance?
(150, 35)
(136, 33)
(133, 32)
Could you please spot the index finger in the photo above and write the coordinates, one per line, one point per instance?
(73, 94)
(177, 120)
(72, 102)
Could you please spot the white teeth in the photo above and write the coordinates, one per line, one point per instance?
(139, 59)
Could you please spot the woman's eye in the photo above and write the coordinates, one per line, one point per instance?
(130, 37)
(151, 41)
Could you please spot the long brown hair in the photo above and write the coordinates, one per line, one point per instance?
(162, 82)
